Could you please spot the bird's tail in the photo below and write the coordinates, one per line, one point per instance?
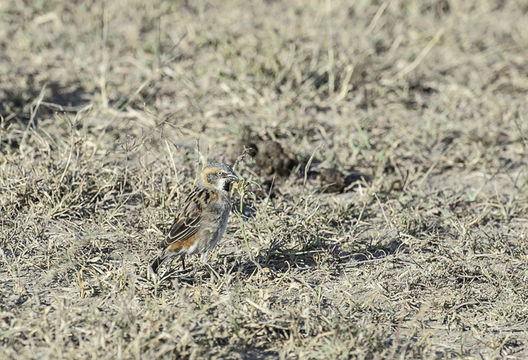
(157, 262)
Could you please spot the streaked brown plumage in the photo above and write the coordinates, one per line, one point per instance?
(203, 218)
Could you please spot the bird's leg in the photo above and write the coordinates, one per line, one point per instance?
(183, 261)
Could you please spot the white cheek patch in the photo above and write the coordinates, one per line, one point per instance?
(223, 184)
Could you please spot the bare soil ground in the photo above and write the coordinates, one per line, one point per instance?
(383, 146)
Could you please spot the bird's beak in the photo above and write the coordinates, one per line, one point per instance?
(233, 178)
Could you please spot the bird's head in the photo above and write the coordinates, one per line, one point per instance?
(218, 176)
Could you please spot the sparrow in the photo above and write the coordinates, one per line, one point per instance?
(203, 216)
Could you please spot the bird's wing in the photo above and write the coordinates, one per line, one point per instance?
(188, 221)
